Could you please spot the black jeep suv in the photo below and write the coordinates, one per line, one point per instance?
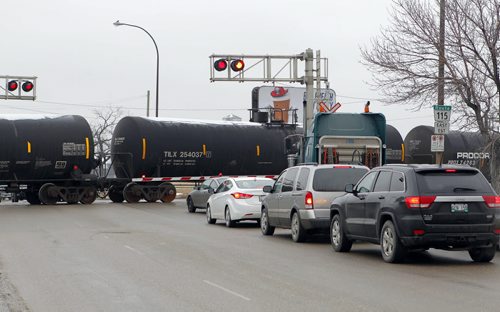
(416, 207)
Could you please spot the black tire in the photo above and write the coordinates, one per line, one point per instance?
(483, 254)
(190, 205)
(340, 243)
(47, 194)
(390, 245)
(265, 227)
(227, 217)
(298, 232)
(210, 220)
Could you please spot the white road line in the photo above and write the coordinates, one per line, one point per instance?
(134, 250)
(226, 290)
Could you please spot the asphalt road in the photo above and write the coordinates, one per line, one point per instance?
(158, 257)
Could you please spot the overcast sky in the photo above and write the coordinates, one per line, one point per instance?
(84, 63)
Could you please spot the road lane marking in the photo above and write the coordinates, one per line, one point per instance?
(134, 250)
(226, 290)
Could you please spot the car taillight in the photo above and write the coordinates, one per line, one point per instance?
(418, 232)
(492, 201)
(497, 231)
(309, 201)
(419, 201)
(241, 195)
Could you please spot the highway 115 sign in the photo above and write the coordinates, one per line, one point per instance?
(442, 114)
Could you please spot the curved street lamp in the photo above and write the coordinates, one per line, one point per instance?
(118, 23)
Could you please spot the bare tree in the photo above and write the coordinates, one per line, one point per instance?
(404, 61)
(102, 128)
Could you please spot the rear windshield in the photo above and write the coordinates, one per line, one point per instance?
(460, 182)
(335, 179)
(253, 184)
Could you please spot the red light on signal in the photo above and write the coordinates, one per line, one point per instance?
(12, 85)
(220, 65)
(237, 65)
(27, 86)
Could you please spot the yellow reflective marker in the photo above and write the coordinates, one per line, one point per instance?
(204, 150)
(29, 147)
(402, 152)
(87, 148)
(258, 150)
(143, 148)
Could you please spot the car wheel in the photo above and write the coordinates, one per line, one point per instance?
(210, 220)
(483, 254)
(298, 232)
(229, 221)
(392, 249)
(190, 204)
(265, 227)
(340, 242)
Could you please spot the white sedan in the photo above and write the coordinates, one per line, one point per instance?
(237, 199)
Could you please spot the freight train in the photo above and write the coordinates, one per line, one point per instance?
(50, 159)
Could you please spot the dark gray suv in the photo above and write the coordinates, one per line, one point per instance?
(301, 196)
(416, 207)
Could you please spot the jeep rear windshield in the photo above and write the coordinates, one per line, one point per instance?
(335, 179)
(463, 182)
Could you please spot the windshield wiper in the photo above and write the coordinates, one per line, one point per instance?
(463, 189)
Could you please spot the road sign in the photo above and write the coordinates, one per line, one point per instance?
(441, 127)
(442, 115)
(437, 143)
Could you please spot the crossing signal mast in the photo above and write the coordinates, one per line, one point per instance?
(272, 69)
(17, 88)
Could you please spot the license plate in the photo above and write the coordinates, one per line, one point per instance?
(459, 208)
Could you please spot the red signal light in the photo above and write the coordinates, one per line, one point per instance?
(27, 86)
(12, 85)
(220, 65)
(237, 65)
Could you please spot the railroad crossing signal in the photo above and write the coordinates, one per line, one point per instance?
(17, 88)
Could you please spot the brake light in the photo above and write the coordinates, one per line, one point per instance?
(342, 167)
(419, 201)
(418, 232)
(451, 170)
(492, 201)
(309, 201)
(241, 195)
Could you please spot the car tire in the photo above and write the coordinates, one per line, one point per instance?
(227, 217)
(265, 227)
(190, 205)
(390, 246)
(483, 254)
(210, 220)
(340, 243)
(298, 232)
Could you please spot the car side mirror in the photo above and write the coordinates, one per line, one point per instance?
(197, 188)
(211, 191)
(349, 188)
(267, 189)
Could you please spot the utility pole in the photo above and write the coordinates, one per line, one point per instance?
(147, 105)
(440, 100)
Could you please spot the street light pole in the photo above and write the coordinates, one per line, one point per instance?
(118, 23)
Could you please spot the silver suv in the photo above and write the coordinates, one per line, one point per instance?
(300, 198)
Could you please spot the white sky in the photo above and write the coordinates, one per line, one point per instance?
(84, 62)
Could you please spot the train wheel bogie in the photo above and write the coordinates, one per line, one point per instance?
(168, 192)
(132, 193)
(89, 196)
(48, 194)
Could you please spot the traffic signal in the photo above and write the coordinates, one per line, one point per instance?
(12, 85)
(237, 65)
(220, 65)
(27, 86)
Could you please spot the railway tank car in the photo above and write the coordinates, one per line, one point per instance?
(47, 159)
(464, 148)
(394, 153)
(155, 147)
